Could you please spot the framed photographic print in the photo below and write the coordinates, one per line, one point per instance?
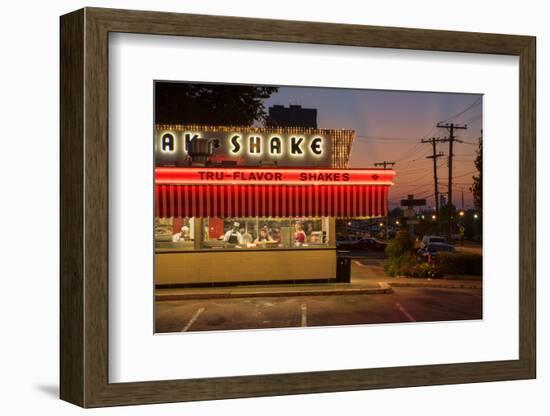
(256, 207)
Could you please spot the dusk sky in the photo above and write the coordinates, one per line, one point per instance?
(389, 126)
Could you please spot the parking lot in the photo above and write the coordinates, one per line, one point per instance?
(405, 304)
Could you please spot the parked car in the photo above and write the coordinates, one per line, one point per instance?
(347, 243)
(429, 252)
(371, 244)
(427, 239)
(364, 244)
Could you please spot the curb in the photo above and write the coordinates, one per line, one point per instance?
(383, 288)
(437, 285)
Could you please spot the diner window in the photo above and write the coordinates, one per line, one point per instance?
(175, 233)
(265, 233)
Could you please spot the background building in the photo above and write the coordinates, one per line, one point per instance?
(292, 116)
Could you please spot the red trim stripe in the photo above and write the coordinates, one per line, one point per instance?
(270, 201)
(157, 202)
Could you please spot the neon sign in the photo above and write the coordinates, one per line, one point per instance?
(261, 176)
(296, 145)
(248, 147)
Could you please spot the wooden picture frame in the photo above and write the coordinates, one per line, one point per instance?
(84, 207)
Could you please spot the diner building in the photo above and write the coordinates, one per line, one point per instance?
(249, 205)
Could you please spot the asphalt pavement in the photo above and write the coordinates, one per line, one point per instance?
(405, 304)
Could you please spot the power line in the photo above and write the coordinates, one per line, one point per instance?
(413, 165)
(465, 174)
(414, 149)
(423, 194)
(423, 186)
(385, 138)
(408, 152)
(418, 146)
(385, 163)
(475, 103)
(426, 194)
(473, 119)
(472, 141)
(426, 174)
(417, 161)
(419, 168)
(465, 154)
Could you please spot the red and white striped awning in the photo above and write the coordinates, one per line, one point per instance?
(363, 193)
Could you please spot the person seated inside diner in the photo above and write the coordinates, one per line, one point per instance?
(183, 235)
(299, 234)
(247, 237)
(309, 230)
(277, 237)
(315, 237)
(263, 237)
(233, 236)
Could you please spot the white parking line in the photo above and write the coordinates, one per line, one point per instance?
(193, 319)
(304, 314)
(405, 312)
(358, 263)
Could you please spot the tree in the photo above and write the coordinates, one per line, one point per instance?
(427, 225)
(444, 217)
(476, 188)
(397, 213)
(210, 104)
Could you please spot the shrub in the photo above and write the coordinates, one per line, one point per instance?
(460, 263)
(403, 261)
(400, 265)
(401, 255)
(401, 245)
(425, 270)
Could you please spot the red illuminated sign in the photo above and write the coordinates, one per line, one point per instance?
(280, 176)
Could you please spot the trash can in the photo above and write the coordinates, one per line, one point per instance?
(343, 268)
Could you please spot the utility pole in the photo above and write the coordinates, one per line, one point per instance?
(434, 156)
(451, 139)
(385, 163)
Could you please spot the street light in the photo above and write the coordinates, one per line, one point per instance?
(475, 216)
(461, 213)
(381, 224)
(433, 217)
(396, 222)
